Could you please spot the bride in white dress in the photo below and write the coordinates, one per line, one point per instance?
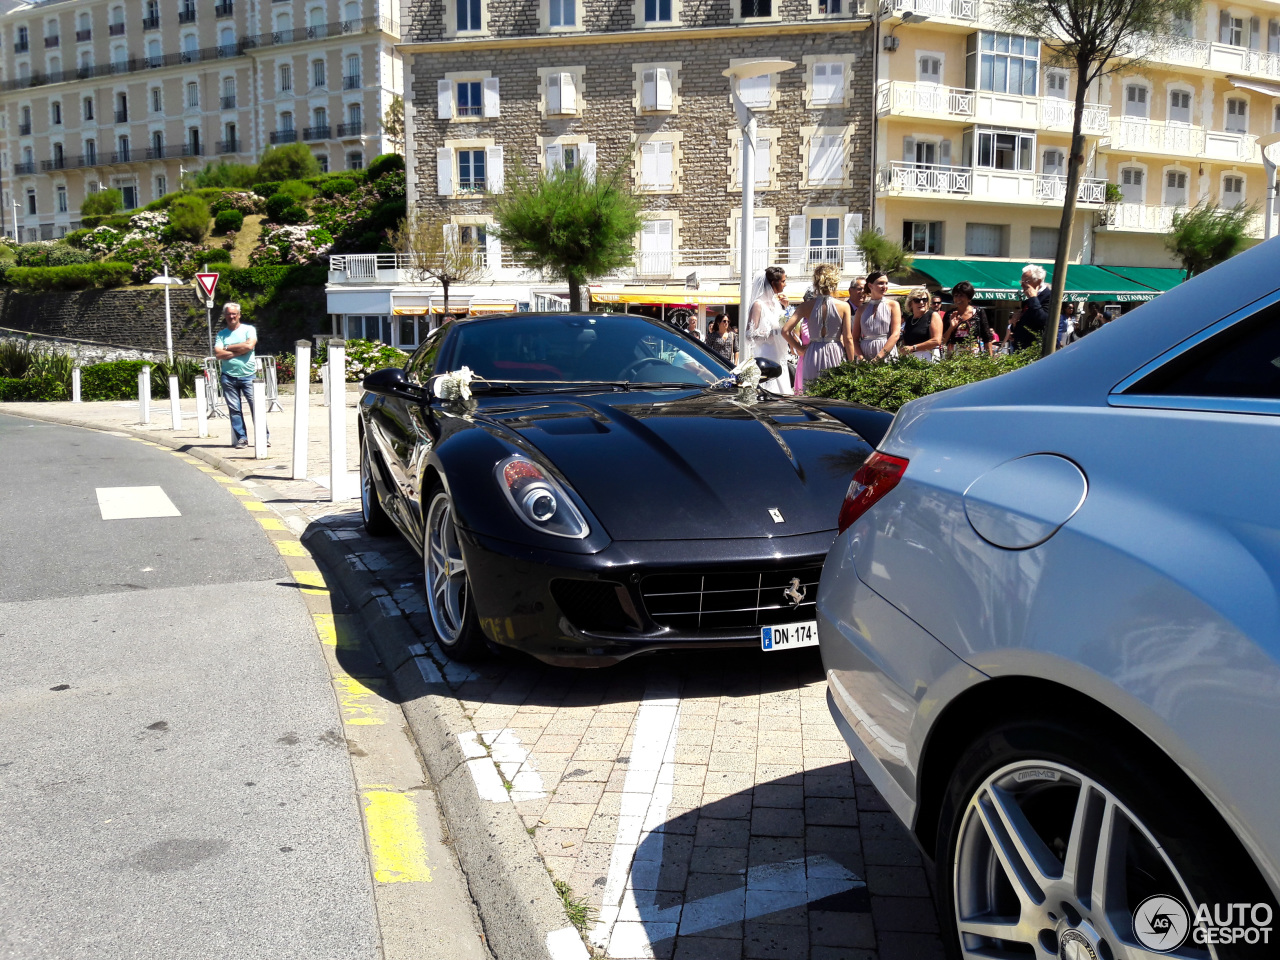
(764, 325)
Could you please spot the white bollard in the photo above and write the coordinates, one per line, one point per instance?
(259, 419)
(202, 409)
(144, 392)
(175, 403)
(337, 421)
(301, 407)
(324, 379)
(75, 384)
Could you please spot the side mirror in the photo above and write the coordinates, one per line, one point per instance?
(769, 369)
(391, 380)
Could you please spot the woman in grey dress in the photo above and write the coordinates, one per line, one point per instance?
(828, 319)
(878, 323)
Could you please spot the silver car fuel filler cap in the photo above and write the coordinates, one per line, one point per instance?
(1023, 502)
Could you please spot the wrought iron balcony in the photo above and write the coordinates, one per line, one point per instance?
(224, 10)
(24, 129)
(350, 130)
(22, 169)
(187, 16)
(83, 35)
(21, 46)
(229, 103)
(150, 23)
(169, 153)
(284, 136)
(350, 83)
(52, 41)
(122, 116)
(56, 163)
(229, 146)
(316, 133)
(115, 29)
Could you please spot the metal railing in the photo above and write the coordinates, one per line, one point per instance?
(905, 177)
(224, 10)
(151, 23)
(316, 133)
(229, 102)
(24, 129)
(283, 136)
(22, 169)
(176, 150)
(899, 96)
(115, 29)
(83, 35)
(945, 9)
(187, 15)
(122, 116)
(21, 46)
(52, 41)
(350, 130)
(55, 163)
(229, 146)
(239, 48)
(902, 177)
(350, 83)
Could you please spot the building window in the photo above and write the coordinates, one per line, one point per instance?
(824, 239)
(657, 11)
(564, 13)
(756, 92)
(830, 6)
(1044, 242)
(1055, 163)
(1230, 29)
(1237, 116)
(470, 99)
(922, 236)
(88, 108)
(757, 8)
(122, 148)
(473, 235)
(193, 140)
(1055, 84)
(1004, 63)
(826, 160)
(317, 73)
(56, 110)
(157, 144)
(656, 89)
(355, 160)
(657, 165)
(1175, 188)
(928, 69)
(1232, 191)
(31, 201)
(828, 84)
(985, 240)
(1179, 106)
(91, 152)
(562, 94)
(157, 103)
(1133, 185)
(1005, 151)
(562, 155)
(61, 197)
(352, 79)
(1135, 101)
(193, 94)
(162, 186)
(323, 160)
(355, 117)
(286, 121)
(656, 241)
(471, 171)
(22, 40)
(468, 15)
(286, 78)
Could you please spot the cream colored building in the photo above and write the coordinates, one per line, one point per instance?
(132, 93)
(974, 126)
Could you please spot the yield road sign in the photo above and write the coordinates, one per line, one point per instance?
(208, 282)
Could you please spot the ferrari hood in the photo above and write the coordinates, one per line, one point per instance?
(702, 465)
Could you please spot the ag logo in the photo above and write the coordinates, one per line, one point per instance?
(1161, 923)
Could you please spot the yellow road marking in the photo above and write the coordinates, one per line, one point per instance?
(271, 523)
(352, 697)
(240, 491)
(325, 627)
(192, 460)
(206, 469)
(255, 505)
(290, 548)
(395, 839)
(335, 631)
(222, 479)
(312, 581)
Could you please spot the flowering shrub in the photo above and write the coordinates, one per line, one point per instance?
(368, 356)
(150, 222)
(242, 202)
(291, 244)
(102, 240)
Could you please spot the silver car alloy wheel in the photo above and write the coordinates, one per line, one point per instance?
(1049, 859)
(366, 482)
(446, 573)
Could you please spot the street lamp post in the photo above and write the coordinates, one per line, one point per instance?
(167, 281)
(1269, 169)
(746, 231)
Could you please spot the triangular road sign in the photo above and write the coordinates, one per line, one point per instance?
(207, 282)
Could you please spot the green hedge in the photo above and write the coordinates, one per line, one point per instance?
(384, 163)
(228, 220)
(118, 379)
(77, 277)
(890, 384)
(28, 389)
(118, 221)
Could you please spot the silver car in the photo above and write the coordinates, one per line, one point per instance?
(1051, 633)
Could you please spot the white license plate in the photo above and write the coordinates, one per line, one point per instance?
(788, 636)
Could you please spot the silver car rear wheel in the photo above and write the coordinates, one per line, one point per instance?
(447, 586)
(1050, 863)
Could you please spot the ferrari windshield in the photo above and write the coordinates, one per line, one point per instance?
(572, 347)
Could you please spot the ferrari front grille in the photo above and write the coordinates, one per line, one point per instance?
(739, 600)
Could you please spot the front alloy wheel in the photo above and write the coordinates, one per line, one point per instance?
(375, 518)
(448, 588)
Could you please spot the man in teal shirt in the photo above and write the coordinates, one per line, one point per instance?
(234, 346)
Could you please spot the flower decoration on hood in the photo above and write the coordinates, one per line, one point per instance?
(455, 385)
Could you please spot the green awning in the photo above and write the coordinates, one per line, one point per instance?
(1002, 279)
(1159, 278)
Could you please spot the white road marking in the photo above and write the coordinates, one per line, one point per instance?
(506, 754)
(566, 944)
(131, 503)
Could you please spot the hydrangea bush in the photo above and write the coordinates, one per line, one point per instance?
(369, 356)
(281, 246)
(241, 201)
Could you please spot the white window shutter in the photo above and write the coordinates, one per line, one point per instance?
(493, 168)
(909, 149)
(568, 94)
(444, 172)
(1224, 27)
(796, 237)
(835, 82)
(664, 235)
(762, 171)
(588, 154)
(664, 101)
(451, 236)
(666, 164)
(493, 249)
(649, 164)
(491, 96)
(554, 94)
(555, 157)
(760, 239)
(649, 90)
(944, 153)
(852, 227)
(1255, 33)
(831, 162)
(444, 99)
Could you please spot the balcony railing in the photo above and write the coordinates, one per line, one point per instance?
(1183, 139)
(934, 100)
(22, 169)
(83, 35)
(187, 16)
(229, 102)
(114, 30)
(224, 10)
(151, 23)
(24, 129)
(122, 116)
(21, 46)
(283, 136)
(937, 9)
(52, 41)
(1006, 185)
(350, 83)
(229, 146)
(350, 130)
(239, 48)
(56, 163)
(170, 152)
(316, 133)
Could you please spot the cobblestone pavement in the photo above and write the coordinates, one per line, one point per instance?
(701, 805)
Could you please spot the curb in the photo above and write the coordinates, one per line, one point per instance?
(522, 915)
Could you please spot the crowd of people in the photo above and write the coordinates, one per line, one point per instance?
(825, 331)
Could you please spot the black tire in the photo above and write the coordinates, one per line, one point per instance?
(1006, 778)
(376, 521)
(448, 585)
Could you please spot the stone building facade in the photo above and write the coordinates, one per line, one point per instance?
(639, 83)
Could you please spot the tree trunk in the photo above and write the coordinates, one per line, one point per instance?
(1049, 337)
(444, 283)
(575, 296)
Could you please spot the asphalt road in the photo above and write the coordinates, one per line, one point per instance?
(173, 777)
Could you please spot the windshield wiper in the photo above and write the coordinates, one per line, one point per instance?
(683, 386)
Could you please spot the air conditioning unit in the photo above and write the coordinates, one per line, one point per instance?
(891, 43)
